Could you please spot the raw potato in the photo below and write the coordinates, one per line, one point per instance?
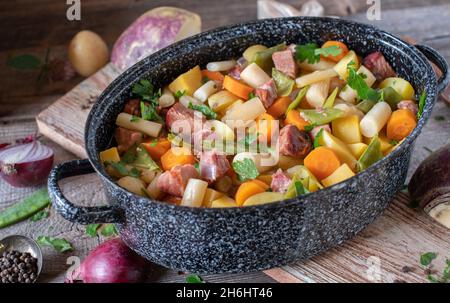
(147, 127)
(250, 52)
(194, 193)
(339, 147)
(220, 101)
(224, 201)
(342, 173)
(401, 86)
(375, 119)
(134, 185)
(357, 149)
(188, 82)
(347, 129)
(263, 198)
(314, 77)
(205, 91)
(254, 75)
(317, 93)
(220, 66)
(341, 68)
(87, 53)
(167, 99)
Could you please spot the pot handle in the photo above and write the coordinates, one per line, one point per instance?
(71, 212)
(439, 61)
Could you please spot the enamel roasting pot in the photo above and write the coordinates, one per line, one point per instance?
(251, 238)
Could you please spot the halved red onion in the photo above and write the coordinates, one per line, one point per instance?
(26, 164)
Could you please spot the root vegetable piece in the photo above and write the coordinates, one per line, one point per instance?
(152, 31)
(87, 53)
(430, 185)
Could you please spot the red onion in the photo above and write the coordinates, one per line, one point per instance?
(26, 163)
(112, 262)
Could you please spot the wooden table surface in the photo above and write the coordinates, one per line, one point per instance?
(27, 27)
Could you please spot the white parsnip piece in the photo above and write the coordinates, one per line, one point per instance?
(375, 119)
(167, 99)
(317, 93)
(254, 76)
(245, 112)
(134, 123)
(314, 77)
(194, 193)
(220, 66)
(206, 90)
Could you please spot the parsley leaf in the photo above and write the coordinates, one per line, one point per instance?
(108, 230)
(40, 215)
(59, 244)
(422, 99)
(204, 109)
(251, 95)
(317, 137)
(205, 79)
(134, 118)
(310, 127)
(311, 52)
(299, 188)
(393, 142)
(246, 169)
(148, 112)
(179, 94)
(356, 81)
(192, 278)
(427, 258)
(91, 230)
(144, 90)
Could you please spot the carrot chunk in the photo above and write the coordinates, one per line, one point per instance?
(176, 156)
(157, 147)
(248, 189)
(236, 87)
(342, 46)
(293, 117)
(322, 162)
(400, 124)
(279, 107)
(216, 76)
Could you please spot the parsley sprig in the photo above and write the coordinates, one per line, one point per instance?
(204, 109)
(356, 81)
(311, 52)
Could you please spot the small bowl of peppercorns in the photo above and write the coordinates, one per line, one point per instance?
(20, 260)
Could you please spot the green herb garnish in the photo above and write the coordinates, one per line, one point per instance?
(91, 229)
(427, 258)
(145, 90)
(40, 215)
(422, 99)
(134, 118)
(108, 230)
(311, 52)
(59, 244)
(246, 169)
(393, 142)
(356, 81)
(148, 112)
(192, 278)
(317, 138)
(310, 127)
(204, 109)
(205, 79)
(179, 94)
(251, 95)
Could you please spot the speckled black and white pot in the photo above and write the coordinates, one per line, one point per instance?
(257, 237)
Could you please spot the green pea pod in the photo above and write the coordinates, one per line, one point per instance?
(371, 155)
(283, 83)
(321, 117)
(391, 97)
(297, 187)
(143, 159)
(329, 103)
(25, 208)
(264, 58)
(294, 104)
(365, 106)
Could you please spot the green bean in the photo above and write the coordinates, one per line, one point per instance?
(25, 208)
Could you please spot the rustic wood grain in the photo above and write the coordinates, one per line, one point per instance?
(38, 26)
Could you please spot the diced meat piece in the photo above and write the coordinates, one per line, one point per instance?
(336, 82)
(133, 107)
(174, 182)
(316, 129)
(203, 137)
(127, 138)
(294, 142)
(285, 63)
(378, 65)
(180, 119)
(280, 181)
(267, 93)
(235, 72)
(409, 105)
(213, 165)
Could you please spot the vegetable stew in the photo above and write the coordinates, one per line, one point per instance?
(276, 123)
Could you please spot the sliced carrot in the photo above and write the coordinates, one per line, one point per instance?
(157, 147)
(293, 117)
(279, 107)
(342, 46)
(248, 189)
(237, 88)
(216, 76)
(322, 162)
(400, 124)
(265, 128)
(176, 156)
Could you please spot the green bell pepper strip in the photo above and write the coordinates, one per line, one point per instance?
(371, 155)
(25, 208)
(324, 116)
(365, 106)
(294, 104)
(329, 102)
(283, 82)
(264, 58)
